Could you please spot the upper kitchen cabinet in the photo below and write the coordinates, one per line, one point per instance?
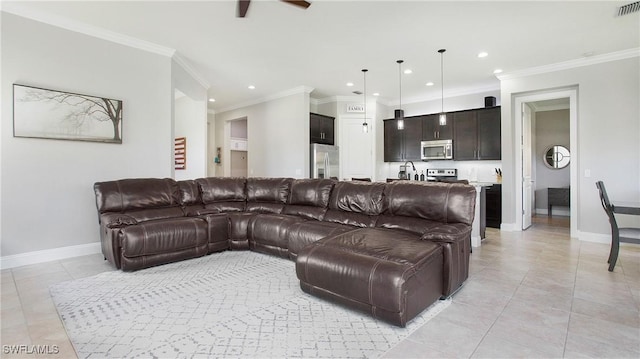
(402, 145)
(431, 129)
(321, 129)
(476, 134)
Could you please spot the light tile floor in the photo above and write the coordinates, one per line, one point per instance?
(535, 293)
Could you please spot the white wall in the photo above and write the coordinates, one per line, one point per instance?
(278, 132)
(190, 121)
(47, 185)
(212, 144)
(608, 133)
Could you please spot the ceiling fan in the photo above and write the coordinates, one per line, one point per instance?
(243, 5)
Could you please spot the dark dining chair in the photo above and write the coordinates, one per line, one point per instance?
(618, 235)
(361, 179)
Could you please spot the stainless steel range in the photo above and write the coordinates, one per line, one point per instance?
(442, 174)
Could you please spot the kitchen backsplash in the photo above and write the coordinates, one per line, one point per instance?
(474, 171)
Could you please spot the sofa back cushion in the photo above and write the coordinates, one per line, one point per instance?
(225, 194)
(136, 194)
(355, 203)
(190, 197)
(439, 202)
(267, 195)
(309, 197)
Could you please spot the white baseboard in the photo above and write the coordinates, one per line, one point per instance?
(47, 255)
(594, 237)
(554, 212)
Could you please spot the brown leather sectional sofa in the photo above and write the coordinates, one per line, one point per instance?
(388, 249)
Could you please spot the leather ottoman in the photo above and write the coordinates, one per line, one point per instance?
(391, 274)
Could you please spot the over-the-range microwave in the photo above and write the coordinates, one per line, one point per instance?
(436, 150)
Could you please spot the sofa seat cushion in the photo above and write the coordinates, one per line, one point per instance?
(165, 236)
(391, 274)
(301, 234)
(153, 214)
(268, 233)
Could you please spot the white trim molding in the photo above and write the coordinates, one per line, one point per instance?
(86, 29)
(585, 61)
(182, 62)
(48, 255)
(275, 96)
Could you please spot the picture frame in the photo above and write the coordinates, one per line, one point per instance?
(60, 115)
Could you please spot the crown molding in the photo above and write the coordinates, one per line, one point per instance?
(86, 29)
(275, 96)
(180, 60)
(571, 64)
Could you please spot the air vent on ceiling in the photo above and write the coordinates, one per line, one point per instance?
(629, 8)
(357, 92)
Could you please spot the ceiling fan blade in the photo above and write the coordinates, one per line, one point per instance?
(302, 4)
(243, 7)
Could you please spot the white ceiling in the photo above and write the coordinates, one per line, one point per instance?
(278, 47)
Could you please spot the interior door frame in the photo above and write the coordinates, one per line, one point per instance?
(551, 94)
(527, 212)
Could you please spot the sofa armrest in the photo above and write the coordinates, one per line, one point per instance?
(455, 239)
(448, 233)
(117, 220)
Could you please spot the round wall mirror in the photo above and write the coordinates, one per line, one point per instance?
(557, 157)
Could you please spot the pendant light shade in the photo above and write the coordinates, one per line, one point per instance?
(365, 125)
(399, 114)
(443, 116)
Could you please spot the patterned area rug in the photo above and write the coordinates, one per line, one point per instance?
(229, 304)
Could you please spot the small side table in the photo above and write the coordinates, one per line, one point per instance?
(558, 197)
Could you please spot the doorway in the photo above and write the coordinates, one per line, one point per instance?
(528, 173)
(238, 148)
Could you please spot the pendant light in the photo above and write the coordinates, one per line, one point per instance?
(399, 114)
(365, 125)
(443, 116)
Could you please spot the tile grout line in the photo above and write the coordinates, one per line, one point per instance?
(573, 293)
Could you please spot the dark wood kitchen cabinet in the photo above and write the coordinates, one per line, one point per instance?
(433, 131)
(321, 129)
(476, 134)
(402, 145)
(493, 206)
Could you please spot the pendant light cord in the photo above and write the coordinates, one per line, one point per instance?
(400, 77)
(364, 75)
(441, 51)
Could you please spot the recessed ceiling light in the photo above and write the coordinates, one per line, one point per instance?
(408, 71)
(497, 71)
(349, 84)
(251, 87)
(376, 94)
(212, 100)
(429, 83)
(483, 54)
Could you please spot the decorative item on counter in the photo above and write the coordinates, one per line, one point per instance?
(422, 176)
(498, 175)
(416, 177)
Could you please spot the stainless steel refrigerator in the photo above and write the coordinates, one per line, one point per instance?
(325, 162)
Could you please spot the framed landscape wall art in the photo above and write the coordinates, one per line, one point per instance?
(42, 113)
